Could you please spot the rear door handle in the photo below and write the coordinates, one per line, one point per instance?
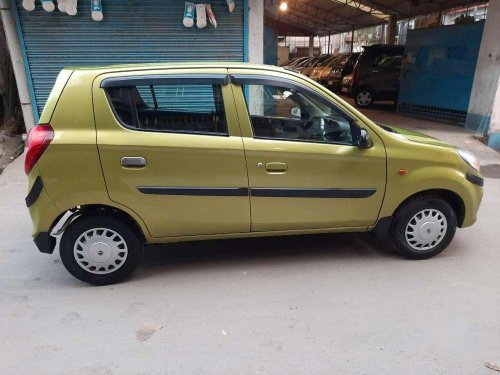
(276, 167)
(133, 162)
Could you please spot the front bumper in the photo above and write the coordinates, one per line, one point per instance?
(476, 180)
(333, 83)
(472, 198)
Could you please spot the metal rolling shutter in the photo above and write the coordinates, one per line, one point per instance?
(131, 32)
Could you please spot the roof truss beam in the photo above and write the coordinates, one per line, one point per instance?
(370, 7)
(320, 14)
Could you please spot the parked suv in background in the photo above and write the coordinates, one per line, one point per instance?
(376, 74)
(331, 76)
(141, 154)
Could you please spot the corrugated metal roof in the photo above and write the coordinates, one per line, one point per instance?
(323, 17)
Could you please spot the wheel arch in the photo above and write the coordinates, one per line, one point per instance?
(364, 86)
(385, 224)
(75, 213)
(452, 198)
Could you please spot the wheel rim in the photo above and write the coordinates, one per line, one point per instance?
(100, 251)
(426, 229)
(364, 98)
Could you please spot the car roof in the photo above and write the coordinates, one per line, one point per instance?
(384, 46)
(172, 65)
(94, 71)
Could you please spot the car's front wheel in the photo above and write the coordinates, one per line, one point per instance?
(100, 249)
(423, 227)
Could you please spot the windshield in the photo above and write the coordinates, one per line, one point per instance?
(303, 63)
(312, 62)
(333, 61)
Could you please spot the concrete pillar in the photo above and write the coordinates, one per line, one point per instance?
(352, 41)
(14, 48)
(311, 46)
(256, 31)
(392, 30)
(494, 139)
(486, 80)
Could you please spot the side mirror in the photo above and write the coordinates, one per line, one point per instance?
(364, 140)
(295, 112)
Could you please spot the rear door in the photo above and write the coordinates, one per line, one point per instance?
(171, 150)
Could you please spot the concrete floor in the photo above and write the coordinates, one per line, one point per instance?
(327, 304)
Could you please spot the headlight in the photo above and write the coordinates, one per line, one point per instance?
(346, 80)
(470, 159)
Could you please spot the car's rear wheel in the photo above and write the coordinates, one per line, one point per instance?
(363, 98)
(423, 227)
(100, 250)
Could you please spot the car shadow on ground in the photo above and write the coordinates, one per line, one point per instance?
(223, 254)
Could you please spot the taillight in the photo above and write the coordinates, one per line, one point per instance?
(38, 140)
(355, 72)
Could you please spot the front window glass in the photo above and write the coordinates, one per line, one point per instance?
(291, 114)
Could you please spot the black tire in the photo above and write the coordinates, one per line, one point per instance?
(425, 206)
(132, 245)
(364, 97)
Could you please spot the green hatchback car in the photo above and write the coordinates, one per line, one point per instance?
(140, 154)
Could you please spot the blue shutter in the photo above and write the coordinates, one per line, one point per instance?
(136, 31)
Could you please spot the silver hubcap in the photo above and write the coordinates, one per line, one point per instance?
(100, 251)
(426, 229)
(364, 98)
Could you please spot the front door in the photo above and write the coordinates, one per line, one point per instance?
(305, 170)
(171, 150)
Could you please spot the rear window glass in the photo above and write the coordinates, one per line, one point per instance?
(184, 108)
(389, 60)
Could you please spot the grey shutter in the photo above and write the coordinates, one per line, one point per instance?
(139, 31)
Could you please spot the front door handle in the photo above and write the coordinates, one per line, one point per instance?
(276, 167)
(133, 162)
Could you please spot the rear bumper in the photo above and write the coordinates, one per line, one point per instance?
(35, 191)
(43, 215)
(45, 242)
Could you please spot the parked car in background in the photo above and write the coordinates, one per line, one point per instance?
(303, 61)
(309, 67)
(289, 62)
(294, 62)
(331, 76)
(376, 74)
(346, 85)
(320, 66)
(130, 155)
